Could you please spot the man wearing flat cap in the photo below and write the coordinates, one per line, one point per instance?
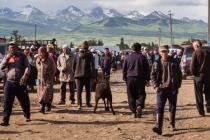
(136, 75)
(17, 72)
(83, 72)
(65, 66)
(166, 77)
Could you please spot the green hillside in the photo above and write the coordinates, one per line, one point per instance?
(110, 35)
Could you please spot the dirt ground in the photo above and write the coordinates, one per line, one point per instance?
(65, 122)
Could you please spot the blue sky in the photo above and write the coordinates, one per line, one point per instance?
(181, 8)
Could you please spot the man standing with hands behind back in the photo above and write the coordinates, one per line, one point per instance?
(65, 66)
(200, 68)
(17, 73)
(136, 75)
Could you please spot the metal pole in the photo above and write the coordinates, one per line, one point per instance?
(35, 32)
(171, 28)
(159, 36)
(208, 22)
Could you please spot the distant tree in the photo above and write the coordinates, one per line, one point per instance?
(144, 44)
(100, 43)
(94, 42)
(71, 45)
(16, 36)
(153, 45)
(122, 45)
(23, 42)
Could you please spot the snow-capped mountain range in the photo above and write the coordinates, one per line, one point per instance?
(101, 13)
(155, 15)
(134, 15)
(71, 10)
(72, 16)
(29, 10)
(8, 13)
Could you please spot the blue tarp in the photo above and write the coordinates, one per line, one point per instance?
(111, 48)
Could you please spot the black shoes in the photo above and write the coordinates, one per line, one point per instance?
(159, 124)
(72, 102)
(139, 112)
(80, 108)
(28, 120)
(208, 109)
(7, 124)
(157, 130)
(49, 107)
(4, 124)
(202, 113)
(89, 105)
(42, 110)
(61, 103)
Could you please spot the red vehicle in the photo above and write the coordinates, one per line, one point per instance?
(186, 60)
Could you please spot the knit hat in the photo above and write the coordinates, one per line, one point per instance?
(65, 46)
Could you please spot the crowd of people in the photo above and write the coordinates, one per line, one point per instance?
(42, 66)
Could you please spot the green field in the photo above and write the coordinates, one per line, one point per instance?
(108, 39)
(109, 35)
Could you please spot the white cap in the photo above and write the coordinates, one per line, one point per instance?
(65, 46)
(32, 47)
(92, 50)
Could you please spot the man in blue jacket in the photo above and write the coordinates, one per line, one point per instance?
(136, 75)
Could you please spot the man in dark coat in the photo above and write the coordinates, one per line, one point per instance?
(166, 78)
(106, 62)
(200, 68)
(136, 75)
(83, 68)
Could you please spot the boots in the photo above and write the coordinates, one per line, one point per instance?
(42, 110)
(208, 109)
(139, 112)
(172, 121)
(49, 106)
(159, 124)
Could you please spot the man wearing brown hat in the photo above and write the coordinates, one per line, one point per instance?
(18, 68)
(166, 77)
(83, 72)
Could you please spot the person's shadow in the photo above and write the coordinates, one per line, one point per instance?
(58, 122)
(187, 130)
(9, 132)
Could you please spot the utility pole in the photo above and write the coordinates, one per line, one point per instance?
(208, 22)
(159, 38)
(171, 28)
(35, 33)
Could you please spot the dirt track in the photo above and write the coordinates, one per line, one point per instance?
(64, 122)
